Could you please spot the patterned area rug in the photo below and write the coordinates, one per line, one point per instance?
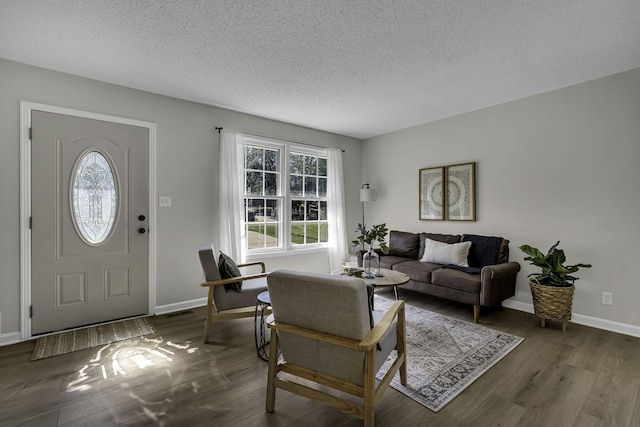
(445, 355)
(93, 336)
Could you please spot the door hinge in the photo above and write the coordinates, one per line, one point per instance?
(30, 312)
(30, 222)
(30, 133)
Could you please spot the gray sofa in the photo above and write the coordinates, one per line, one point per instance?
(436, 265)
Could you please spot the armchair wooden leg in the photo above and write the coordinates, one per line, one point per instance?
(207, 319)
(271, 376)
(476, 313)
(369, 389)
(401, 346)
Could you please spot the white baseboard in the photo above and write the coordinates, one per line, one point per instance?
(10, 338)
(581, 319)
(180, 306)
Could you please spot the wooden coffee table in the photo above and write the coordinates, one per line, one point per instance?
(389, 278)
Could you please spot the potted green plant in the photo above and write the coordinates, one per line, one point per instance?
(553, 286)
(375, 234)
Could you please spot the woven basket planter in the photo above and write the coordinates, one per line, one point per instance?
(552, 303)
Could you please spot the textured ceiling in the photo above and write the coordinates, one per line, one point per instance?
(354, 67)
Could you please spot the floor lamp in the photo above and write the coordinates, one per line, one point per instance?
(370, 260)
(367, 195)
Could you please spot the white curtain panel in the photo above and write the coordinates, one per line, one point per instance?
(230, 204)
(337, 226)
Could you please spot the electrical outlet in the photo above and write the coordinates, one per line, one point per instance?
(607, 298)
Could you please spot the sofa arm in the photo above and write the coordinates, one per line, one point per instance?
(499, 271)
(497, 283)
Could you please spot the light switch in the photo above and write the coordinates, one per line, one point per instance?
(165, 201)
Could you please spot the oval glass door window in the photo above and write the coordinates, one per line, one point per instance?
(94, 197)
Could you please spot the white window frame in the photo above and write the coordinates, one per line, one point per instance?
(284, 236)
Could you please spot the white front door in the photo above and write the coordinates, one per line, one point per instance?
(90, 208)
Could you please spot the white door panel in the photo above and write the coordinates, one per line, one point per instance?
(90, 194)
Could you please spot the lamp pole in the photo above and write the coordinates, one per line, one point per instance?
(367, 194)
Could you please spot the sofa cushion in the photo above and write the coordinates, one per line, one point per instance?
(404, 244)
(416, 270)
(446, 238)
(483, 251)
(389, 262)
(503, 252)
(446, 253)
(456, 280)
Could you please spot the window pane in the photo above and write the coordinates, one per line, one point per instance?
(271, 160)
(310, 165)
(295, 187)
(324, 232)
(322, 166)
(255, 209)
(310, 183)
(322, 214)
(270, 184)
(297, 234)
(297, 210)
(312, 233)
(312, 211)
(271, 238)
(95, 198)
(272, 211)
(255, 236)
(254, 158)
(254, 183)
(322, 187)
(295, 164)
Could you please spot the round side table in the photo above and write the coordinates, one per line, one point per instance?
(262, 304)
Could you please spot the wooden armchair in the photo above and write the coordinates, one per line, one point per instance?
(223, 304)
(322, 324)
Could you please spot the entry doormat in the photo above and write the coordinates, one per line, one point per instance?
(92, 336)
(444, 355)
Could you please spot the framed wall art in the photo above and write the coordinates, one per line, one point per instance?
(431, 194)
(461, 192)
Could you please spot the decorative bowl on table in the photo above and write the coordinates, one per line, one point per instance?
(352, 271)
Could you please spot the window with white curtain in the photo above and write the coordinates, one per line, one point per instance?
(285, 195)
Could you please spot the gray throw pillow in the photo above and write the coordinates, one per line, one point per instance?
(229, 269)
(404, 244)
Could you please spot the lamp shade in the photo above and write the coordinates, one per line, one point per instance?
(368, 195)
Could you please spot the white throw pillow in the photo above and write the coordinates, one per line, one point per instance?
(446, 253)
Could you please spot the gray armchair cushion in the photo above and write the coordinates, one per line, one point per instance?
(334, 304)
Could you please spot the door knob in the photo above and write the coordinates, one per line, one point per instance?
(141, 230)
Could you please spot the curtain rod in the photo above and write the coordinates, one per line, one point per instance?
(280, 139)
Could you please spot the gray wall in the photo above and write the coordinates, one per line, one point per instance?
(557, 166)
(187, 158)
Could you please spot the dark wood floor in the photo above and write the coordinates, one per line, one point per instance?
(586, 377)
